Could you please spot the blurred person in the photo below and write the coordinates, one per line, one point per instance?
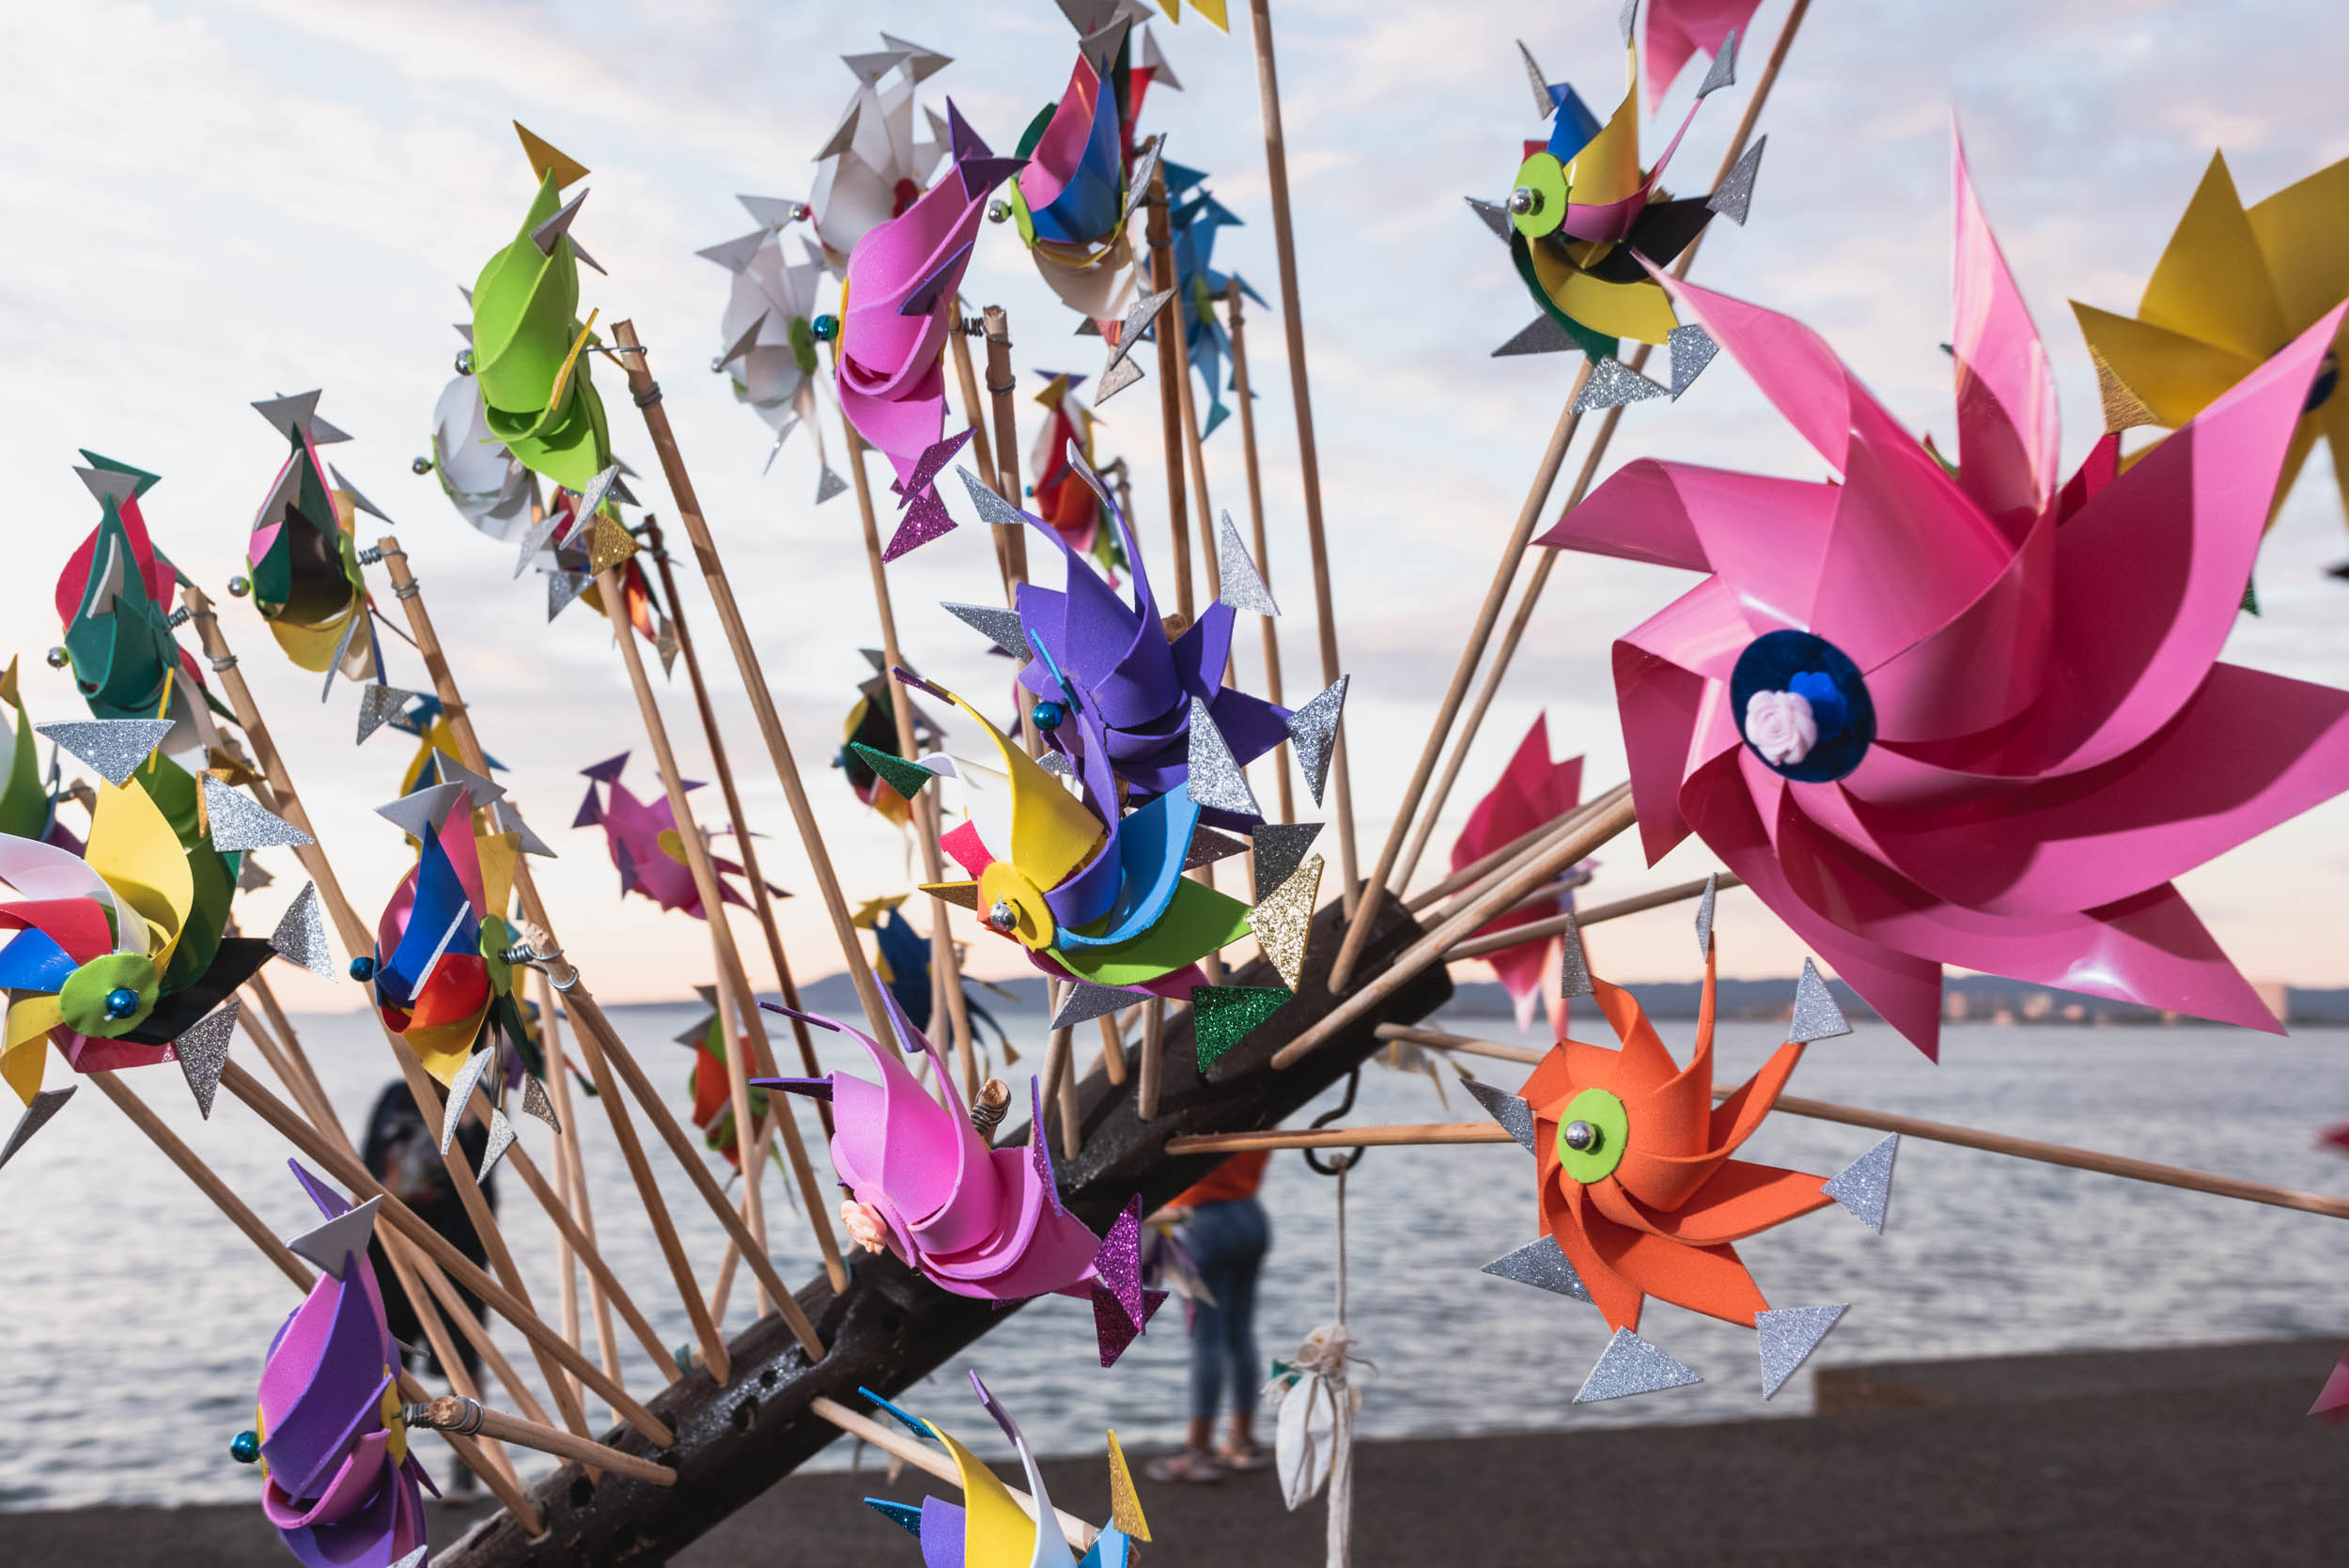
(1226, 1233)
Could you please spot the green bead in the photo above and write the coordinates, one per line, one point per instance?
(245, 1447)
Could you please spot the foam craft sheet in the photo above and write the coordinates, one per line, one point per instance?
(1951, 740)
(302, 558)
(340, 1483)
(2236, 286)
(110, 954)
(1677, 31)
(988, 1528)
(980, 1222)
(440, 975)
(646, 843)
(529, 344)
(878, 157)
(1531, 790)
(1587, 222)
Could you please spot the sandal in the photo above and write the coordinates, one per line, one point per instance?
(1187, 1465)
(1255, 1457)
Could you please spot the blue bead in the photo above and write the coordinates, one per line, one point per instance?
(1049, 715)
(363, 969)
(121, 1003)
(245, 1447)
(825, 328)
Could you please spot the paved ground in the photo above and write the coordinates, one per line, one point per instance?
(2147, 1458)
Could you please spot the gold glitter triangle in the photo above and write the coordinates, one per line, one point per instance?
(965, 894)
(1283, 919)
(610, 546)
(2123, 409)
(1125, 1507)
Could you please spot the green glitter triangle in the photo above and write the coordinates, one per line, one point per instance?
(1224, 1015)
(903, 776)
(2250, 605)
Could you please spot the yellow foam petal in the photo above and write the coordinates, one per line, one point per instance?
(996, 1531)
(2175, 375)
(2212, 281)
(2303, 231)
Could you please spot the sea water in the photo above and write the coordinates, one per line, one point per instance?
(134, 1318)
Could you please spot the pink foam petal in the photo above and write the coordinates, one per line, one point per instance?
(1676, 30)
(894, 259)
(2007, 426)
(901, 423)
(1033, 1251)
(1985, 666)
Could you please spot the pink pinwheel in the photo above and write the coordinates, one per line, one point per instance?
(643, 835)
(1680, 29)
(896, 307)
(340, 1484)
(1531, 790)
(1978, 718)
(974, 1221)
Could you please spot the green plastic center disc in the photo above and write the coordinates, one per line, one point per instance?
(1544, 181)
(83, 998)
(1603, 1114)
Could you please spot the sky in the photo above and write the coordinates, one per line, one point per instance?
(203, 204)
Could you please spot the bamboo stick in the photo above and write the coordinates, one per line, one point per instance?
(1168, 331)
(1507, 650)
(1001, 384)
(573, 1175)
(1243, 395)
(1477, 947)
(1153, 1059)
(753, 1208)
(468, 1417)
(1610, 813)
(646, 393)
(901, 1445)
(1308, 452)
(974, 415)
(1113, 1049)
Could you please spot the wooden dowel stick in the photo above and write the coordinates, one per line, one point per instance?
(974, 415)
(1610, 813)
(1308, 452)
(646, 393)
(574, 1177)
(713, 737)
(1001, 384)
(1599, 443)
(1241, 396)
(901, 1444)
(1476, 947)
(1113, 1049)
(347, 1169)
(946, 964)
(1168, 330)
(1441, 1040)
(453, 1413)
(1071, 1113)
(752, 1207)
(1153, 1059)
(358, 938)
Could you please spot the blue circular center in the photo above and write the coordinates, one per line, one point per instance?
(1049, 715)
(121, 1003)
(1819, 671)
(2321, 389)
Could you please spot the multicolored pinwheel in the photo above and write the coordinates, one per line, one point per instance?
(302, 559)
(1975, 720)
(901, 961)
(989, 1529)
(869, 744)
(646, 847)
(339, 1481)
(712, 1088)
(875, 166)
(977, 1221)
(2234, 287)
(529, 352)
(1192, 221)
(1531, 790)
(1062, 500)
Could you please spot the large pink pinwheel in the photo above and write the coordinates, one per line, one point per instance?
(1973, 719)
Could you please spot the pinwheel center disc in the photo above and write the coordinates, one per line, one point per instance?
(1802, 706)
(90, 1000)
(1537, 203)
(1599, 1128)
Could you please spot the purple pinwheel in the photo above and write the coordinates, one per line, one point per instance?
(1969, 718)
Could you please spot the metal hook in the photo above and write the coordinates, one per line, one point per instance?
(1352, 1157)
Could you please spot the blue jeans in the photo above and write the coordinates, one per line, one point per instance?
(1227, 1242)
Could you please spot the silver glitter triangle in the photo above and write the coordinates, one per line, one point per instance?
(1216, 780)
(1704, 915)
(828, 485)
(418, 813)
(1724, 69)
(742, 345)
(300, 934)
(1083, 470)
(1138, 314)
(1083, 1002)
(537, 1102)
(1147, 161)
(202, 1048)
(556, 226)
(535, 540)
(1280, 850)
(1544, 105)
(1516, 1117)
(357, 500)
(237, 821)
(1540, 1264)
(1631, 1365)
(351, 628)
(1612, 385)
(500, 1140)
(1121, 374)
(461, 1090)
(289, 416)
(1243, 584)
(510, 821)
(996, 623)
(1541, 335)
(414, 1559)
(1056, 762)
(1574, 963)
(379, 705)
(1209, 846)
(45, 1105)
(481, 789)
(563, 587)
(1732, 197)
(1627, 19)
(1313, 733)
(346, 1236)
(1816, 1017)
(1786, 1337)
(111, 748)
(1494, 216)
(1865, 1186)
(105, 485)
(992, 509)
(1692, 349)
